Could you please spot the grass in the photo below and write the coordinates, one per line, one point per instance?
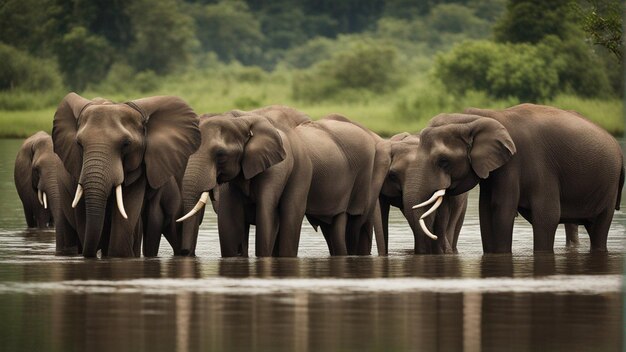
(408, 108)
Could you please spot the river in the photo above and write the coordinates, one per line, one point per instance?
(569, 300)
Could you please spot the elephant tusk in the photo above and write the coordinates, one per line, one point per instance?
(439, 193)
(120, 201)
(428, 233)
(433, 208)
(45, 201)
(40, 196)
(79, 193)
(204, 197)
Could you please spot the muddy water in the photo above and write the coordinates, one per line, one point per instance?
(569, 300)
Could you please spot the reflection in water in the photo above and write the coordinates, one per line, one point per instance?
(301, 321)
(569, 300)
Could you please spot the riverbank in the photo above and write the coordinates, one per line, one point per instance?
(407, 108)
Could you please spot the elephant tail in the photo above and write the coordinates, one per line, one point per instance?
(619, 189)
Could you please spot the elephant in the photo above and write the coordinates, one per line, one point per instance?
(133, 149)
(36, 181)
(550, 165)
(400, 180)
(39, 170)
(277, 175)
(282, 117)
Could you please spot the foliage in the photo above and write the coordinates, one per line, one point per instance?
(529, 21)
(30, 25)
(20, 71)
(83, 57)
(602, 21)
(523, 71)
(367, 66)
(229, 29)
(164, 36)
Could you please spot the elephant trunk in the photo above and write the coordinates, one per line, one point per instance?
(200, 177)
(422, 242)
(97, 182)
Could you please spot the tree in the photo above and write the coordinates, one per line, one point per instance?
(529, 21)
(164, 37)
(229, 29)
(602, 21)
(83, 57)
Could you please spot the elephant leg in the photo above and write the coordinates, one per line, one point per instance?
(66, 238)
(496, 224)
(442, 220)
(266, 230)
(231, 222)
(545, 211)
(43, 217)
(571, 235)
(458, 208)
(29, 216)
(384, 218)
(152, 230)
(598, 230)
(292, 210)
(352, 231)
(337, 234)
(365, 239)
(126, 234)
(170, 232)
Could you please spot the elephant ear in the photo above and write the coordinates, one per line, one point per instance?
(263, 149)
(172, 135)
(400, 136)
(491, 146)
(64, 130)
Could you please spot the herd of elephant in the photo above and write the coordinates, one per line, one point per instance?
(114, 175)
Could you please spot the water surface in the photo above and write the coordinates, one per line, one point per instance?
(569, 300)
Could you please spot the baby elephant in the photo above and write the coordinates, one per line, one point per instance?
(444, 214)
(36, 181)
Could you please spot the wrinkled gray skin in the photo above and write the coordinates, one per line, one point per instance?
(550, 165)
(140, 145)
(447, 220)
(37, 166)
(35, 169)
(196, 182)
(162, 207)
(277, 174)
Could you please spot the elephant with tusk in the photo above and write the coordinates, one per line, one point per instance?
(35, 176)
(131, 149)
(549, 165)
(444, 213)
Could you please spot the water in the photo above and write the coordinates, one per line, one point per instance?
(569, 300)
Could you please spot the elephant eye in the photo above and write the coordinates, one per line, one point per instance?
(443, 163)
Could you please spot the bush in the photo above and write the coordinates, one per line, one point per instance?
(527, 72)
(122, 79)
(366, 66)
(84, 57)
(582, 72)
(20, 71)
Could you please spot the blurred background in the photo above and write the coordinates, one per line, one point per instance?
(390, 64)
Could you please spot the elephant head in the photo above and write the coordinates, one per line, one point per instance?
(106, 146)
(449, 157)
(35, 177)
(232, 148)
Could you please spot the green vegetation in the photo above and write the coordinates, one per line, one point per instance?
(390, 64)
